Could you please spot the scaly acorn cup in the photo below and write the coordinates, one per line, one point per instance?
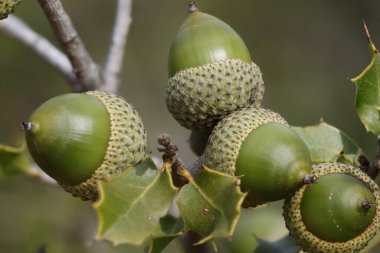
(7, 7)
(78, 139)
(338, 211)
(257, 145)
(211, 72)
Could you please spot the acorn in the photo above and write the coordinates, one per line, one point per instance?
(7, 7)
(257, 145)
(211, 72)
(337, 212)
(78, 139)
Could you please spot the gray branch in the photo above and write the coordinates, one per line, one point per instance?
(15, 28)
(116, 51)
(85, 69)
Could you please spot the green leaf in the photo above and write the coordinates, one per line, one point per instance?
(367, 100)
(265, 222)
(284, 245)
(328, 144)
(158, 244)
(173, 227)
(210, 205)
(13, 160)
(133, 206)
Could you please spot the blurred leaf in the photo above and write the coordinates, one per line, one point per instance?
(328, 144)
(373, 245)
(210, 205)
(13, 160)
(133, 206)
(158, 244)
(368, 92)
(173, 226)
(265, 222)
(284, 245)
(35, 214)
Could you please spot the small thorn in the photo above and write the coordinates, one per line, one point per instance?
(368, 36)
(192, 8)
(26, 126)
(238, 181)
(367, 204)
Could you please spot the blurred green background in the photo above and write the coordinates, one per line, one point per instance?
(307, 51)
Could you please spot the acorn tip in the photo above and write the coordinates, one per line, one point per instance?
(192, 8)
(26, 126)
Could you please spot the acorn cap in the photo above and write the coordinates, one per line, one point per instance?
(211, 72)
(294, 211)
(199, 97)
(79, 139)
(224, 144)
(7, 7)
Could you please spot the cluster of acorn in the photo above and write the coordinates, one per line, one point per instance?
(79, 139)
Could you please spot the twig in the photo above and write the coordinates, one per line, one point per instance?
(181, 175)
(85, 69)
(116, 51)
(15, 28)
(169, 151)
(374, 170)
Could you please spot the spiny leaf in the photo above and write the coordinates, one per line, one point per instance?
(328, 144)
(133, 206)
(13, 160)
(367, 100)
(210, 204)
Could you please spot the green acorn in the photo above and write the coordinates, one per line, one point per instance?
(211, 72)
(78, 139)
(339, 212)
(257, 145)
(7, 7)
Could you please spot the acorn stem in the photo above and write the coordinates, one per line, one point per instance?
(367, 204)
(26, 126)
(192, 8)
